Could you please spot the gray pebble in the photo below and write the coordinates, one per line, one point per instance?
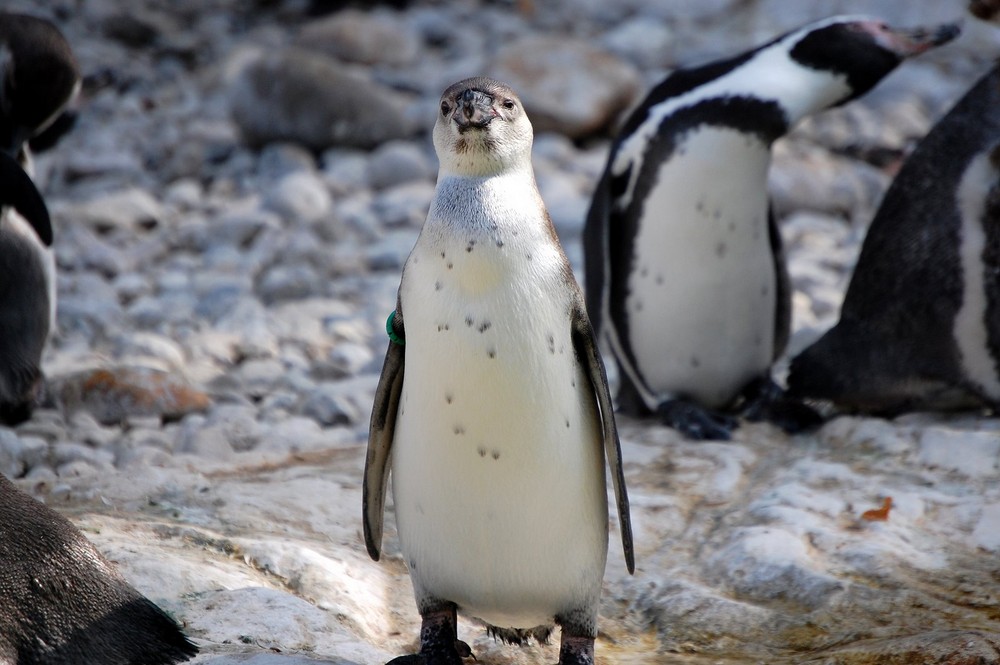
(307, 98)
(299, 195)
(397, 162)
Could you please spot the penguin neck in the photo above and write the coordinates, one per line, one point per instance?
(773, 75)
(509, 198)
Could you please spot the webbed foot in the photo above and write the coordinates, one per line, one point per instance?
(763, 399)
(439, 644)
(696, 422)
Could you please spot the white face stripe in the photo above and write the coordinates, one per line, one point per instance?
(970, 330)
(770, 74)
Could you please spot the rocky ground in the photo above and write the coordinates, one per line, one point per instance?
(232, 213)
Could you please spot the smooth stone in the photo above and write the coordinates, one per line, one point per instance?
(114, 394)
(397, 162)
(567, 85)
(364, 37)
(307, 98)
(299, 195)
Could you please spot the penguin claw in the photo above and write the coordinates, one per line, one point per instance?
(696, 422)
(464, 650)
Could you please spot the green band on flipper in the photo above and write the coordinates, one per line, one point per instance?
(393, 337)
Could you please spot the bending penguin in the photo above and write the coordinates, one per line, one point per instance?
(920, 324)
(62, 603)
(498, 430)
(685, 274)
(38, 79)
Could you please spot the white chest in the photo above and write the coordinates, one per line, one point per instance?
(701, 300)
(970, 328)
(15, 224)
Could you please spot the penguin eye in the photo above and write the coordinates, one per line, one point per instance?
(509, 104)
(445, 107)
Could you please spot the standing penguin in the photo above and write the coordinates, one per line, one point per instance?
(62, 603)
(685, 274)
(500, 425)
(38, 79)
(920, 324)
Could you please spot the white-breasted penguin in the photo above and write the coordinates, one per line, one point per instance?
(500, 425)
(62, 603)
(685, 275)
(38, 79)
(920, 323)
(27, 284)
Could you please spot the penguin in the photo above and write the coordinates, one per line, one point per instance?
(685, 273)
(62, 603)
(920, 324)
(27, 284)
(496, 433)
(39, 78)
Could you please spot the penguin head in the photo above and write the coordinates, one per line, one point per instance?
(39, 77)
(481, 129)
(863, 49)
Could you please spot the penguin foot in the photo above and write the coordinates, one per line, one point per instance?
(696, 422)
(462, 649)
(439, 644)
(576, 650)
(409, 659)
(764, 399)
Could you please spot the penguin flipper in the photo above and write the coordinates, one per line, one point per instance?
(380, 436)
(782, 285)
(595, 250)
(19, 191)
(585, 346)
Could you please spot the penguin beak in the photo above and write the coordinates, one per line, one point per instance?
(474, 110)
(906, 43)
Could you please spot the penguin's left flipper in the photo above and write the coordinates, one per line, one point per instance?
(18, 191)
(763, 399)
(585, 346)
(380, 435)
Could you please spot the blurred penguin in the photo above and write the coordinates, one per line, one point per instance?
(39, 78)
(62, 603)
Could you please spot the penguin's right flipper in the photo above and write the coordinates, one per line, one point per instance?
(696, 422)
(595, 250)
(18, 191)
(783, 287)
(380, 436)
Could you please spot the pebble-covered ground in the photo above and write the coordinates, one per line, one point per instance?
(232, 212)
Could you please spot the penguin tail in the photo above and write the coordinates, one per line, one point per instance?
(143, 633)
(520, 636)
